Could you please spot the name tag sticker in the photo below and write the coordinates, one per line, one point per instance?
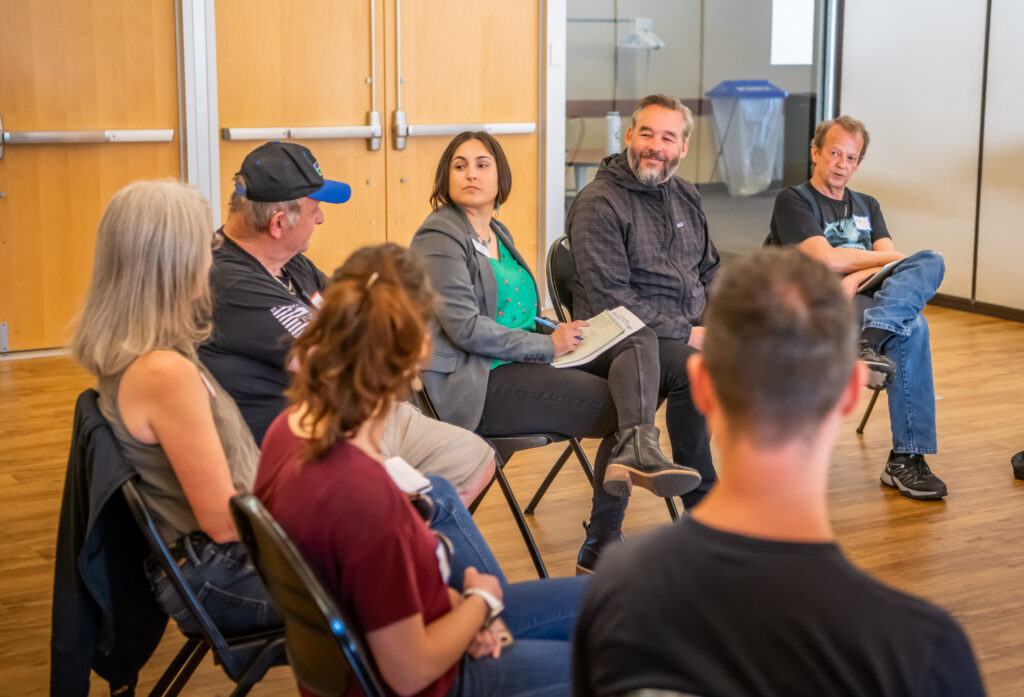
(862, 222)
(317, 300)
(482, 248)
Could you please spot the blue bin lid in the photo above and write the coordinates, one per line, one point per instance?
(746, 89)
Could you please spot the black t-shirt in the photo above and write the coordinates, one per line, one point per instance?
(842, 224)
(255, 318)
(701, 611)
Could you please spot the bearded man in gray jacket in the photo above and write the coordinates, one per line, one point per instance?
(639, 239)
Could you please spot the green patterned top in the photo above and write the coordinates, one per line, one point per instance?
(517, 295)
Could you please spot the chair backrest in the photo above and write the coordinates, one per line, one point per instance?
(559, 273)
(421, 400)
(230, 661)
(323, 650)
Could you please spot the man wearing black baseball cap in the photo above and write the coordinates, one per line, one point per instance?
(265, 292)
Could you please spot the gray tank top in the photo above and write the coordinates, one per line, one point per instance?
(158, 484)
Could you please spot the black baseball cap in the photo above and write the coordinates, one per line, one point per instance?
(277, 171)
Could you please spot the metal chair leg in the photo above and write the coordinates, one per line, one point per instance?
(550, 477)
(186, 671)
(174, 669)
(259, 667)
(867, 413)
(672, 512)
(517, 513)
(588, 469)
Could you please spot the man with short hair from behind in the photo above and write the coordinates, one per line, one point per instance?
(265, 292)
(845, 230)
(750, 595)
(639, 239)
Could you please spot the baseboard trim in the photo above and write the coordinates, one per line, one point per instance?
(979, 308)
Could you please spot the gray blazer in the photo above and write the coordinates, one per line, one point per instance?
(466, 337)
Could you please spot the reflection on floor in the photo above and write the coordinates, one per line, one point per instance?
(740, 224)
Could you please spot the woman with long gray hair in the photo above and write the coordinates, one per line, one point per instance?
(147, 309)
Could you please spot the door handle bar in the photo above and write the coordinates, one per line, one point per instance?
(123, 135)
(405, 130)
(372, 132)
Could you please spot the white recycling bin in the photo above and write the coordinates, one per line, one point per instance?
(748, 116)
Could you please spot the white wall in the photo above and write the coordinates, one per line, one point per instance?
(912, 72)
(1000, 242)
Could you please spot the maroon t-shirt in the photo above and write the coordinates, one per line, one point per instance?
(372, 551)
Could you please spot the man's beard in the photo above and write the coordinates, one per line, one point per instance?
(651, 177)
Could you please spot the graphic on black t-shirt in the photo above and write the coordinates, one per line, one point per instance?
(294, 318)
(853, 232)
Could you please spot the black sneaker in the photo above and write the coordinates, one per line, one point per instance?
(592, 547)
(880, 368)
(1017, 461)
(911, 475)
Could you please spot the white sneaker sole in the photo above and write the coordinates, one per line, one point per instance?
(890, 480)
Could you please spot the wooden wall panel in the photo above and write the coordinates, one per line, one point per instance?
(74, 66)
(305, 64)
(464, 64)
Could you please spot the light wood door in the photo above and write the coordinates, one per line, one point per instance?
(463, 63)
(300, 65)
(70, 65)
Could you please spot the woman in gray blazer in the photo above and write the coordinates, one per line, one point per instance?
(490, 370)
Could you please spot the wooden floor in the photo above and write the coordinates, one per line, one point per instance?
(966, 553)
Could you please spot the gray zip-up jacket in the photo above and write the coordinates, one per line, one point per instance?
(644, 247)
(466, 336)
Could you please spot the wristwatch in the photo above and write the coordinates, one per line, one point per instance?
(494, 606)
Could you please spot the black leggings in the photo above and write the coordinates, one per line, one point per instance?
(581, 402)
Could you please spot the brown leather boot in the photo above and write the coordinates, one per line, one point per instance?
(637, 460)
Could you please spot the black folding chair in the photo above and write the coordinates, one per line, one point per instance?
(559, 277)
(245, 659)
(861, 303)
(504, 448)
(323, 650)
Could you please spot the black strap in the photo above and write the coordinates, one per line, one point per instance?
(860, 206)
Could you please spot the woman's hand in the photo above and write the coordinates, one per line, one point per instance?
(487, 642)
(568, 336)
(485, 582)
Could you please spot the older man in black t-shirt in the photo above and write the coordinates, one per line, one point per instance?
(265, 292)
(750, 595)
(845, 230)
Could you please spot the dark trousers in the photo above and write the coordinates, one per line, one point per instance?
(687, 432)
(617, 390)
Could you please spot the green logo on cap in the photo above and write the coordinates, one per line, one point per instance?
(316, 165)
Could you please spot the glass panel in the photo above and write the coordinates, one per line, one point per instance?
(742, 150)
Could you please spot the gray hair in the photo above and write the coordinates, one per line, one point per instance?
(666, 102)
(258, 214)
(150, 282)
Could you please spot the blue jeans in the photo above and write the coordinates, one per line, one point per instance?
(225, 583)
(230, 590)
(540, 615)
(896, 308)
(451, 519)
